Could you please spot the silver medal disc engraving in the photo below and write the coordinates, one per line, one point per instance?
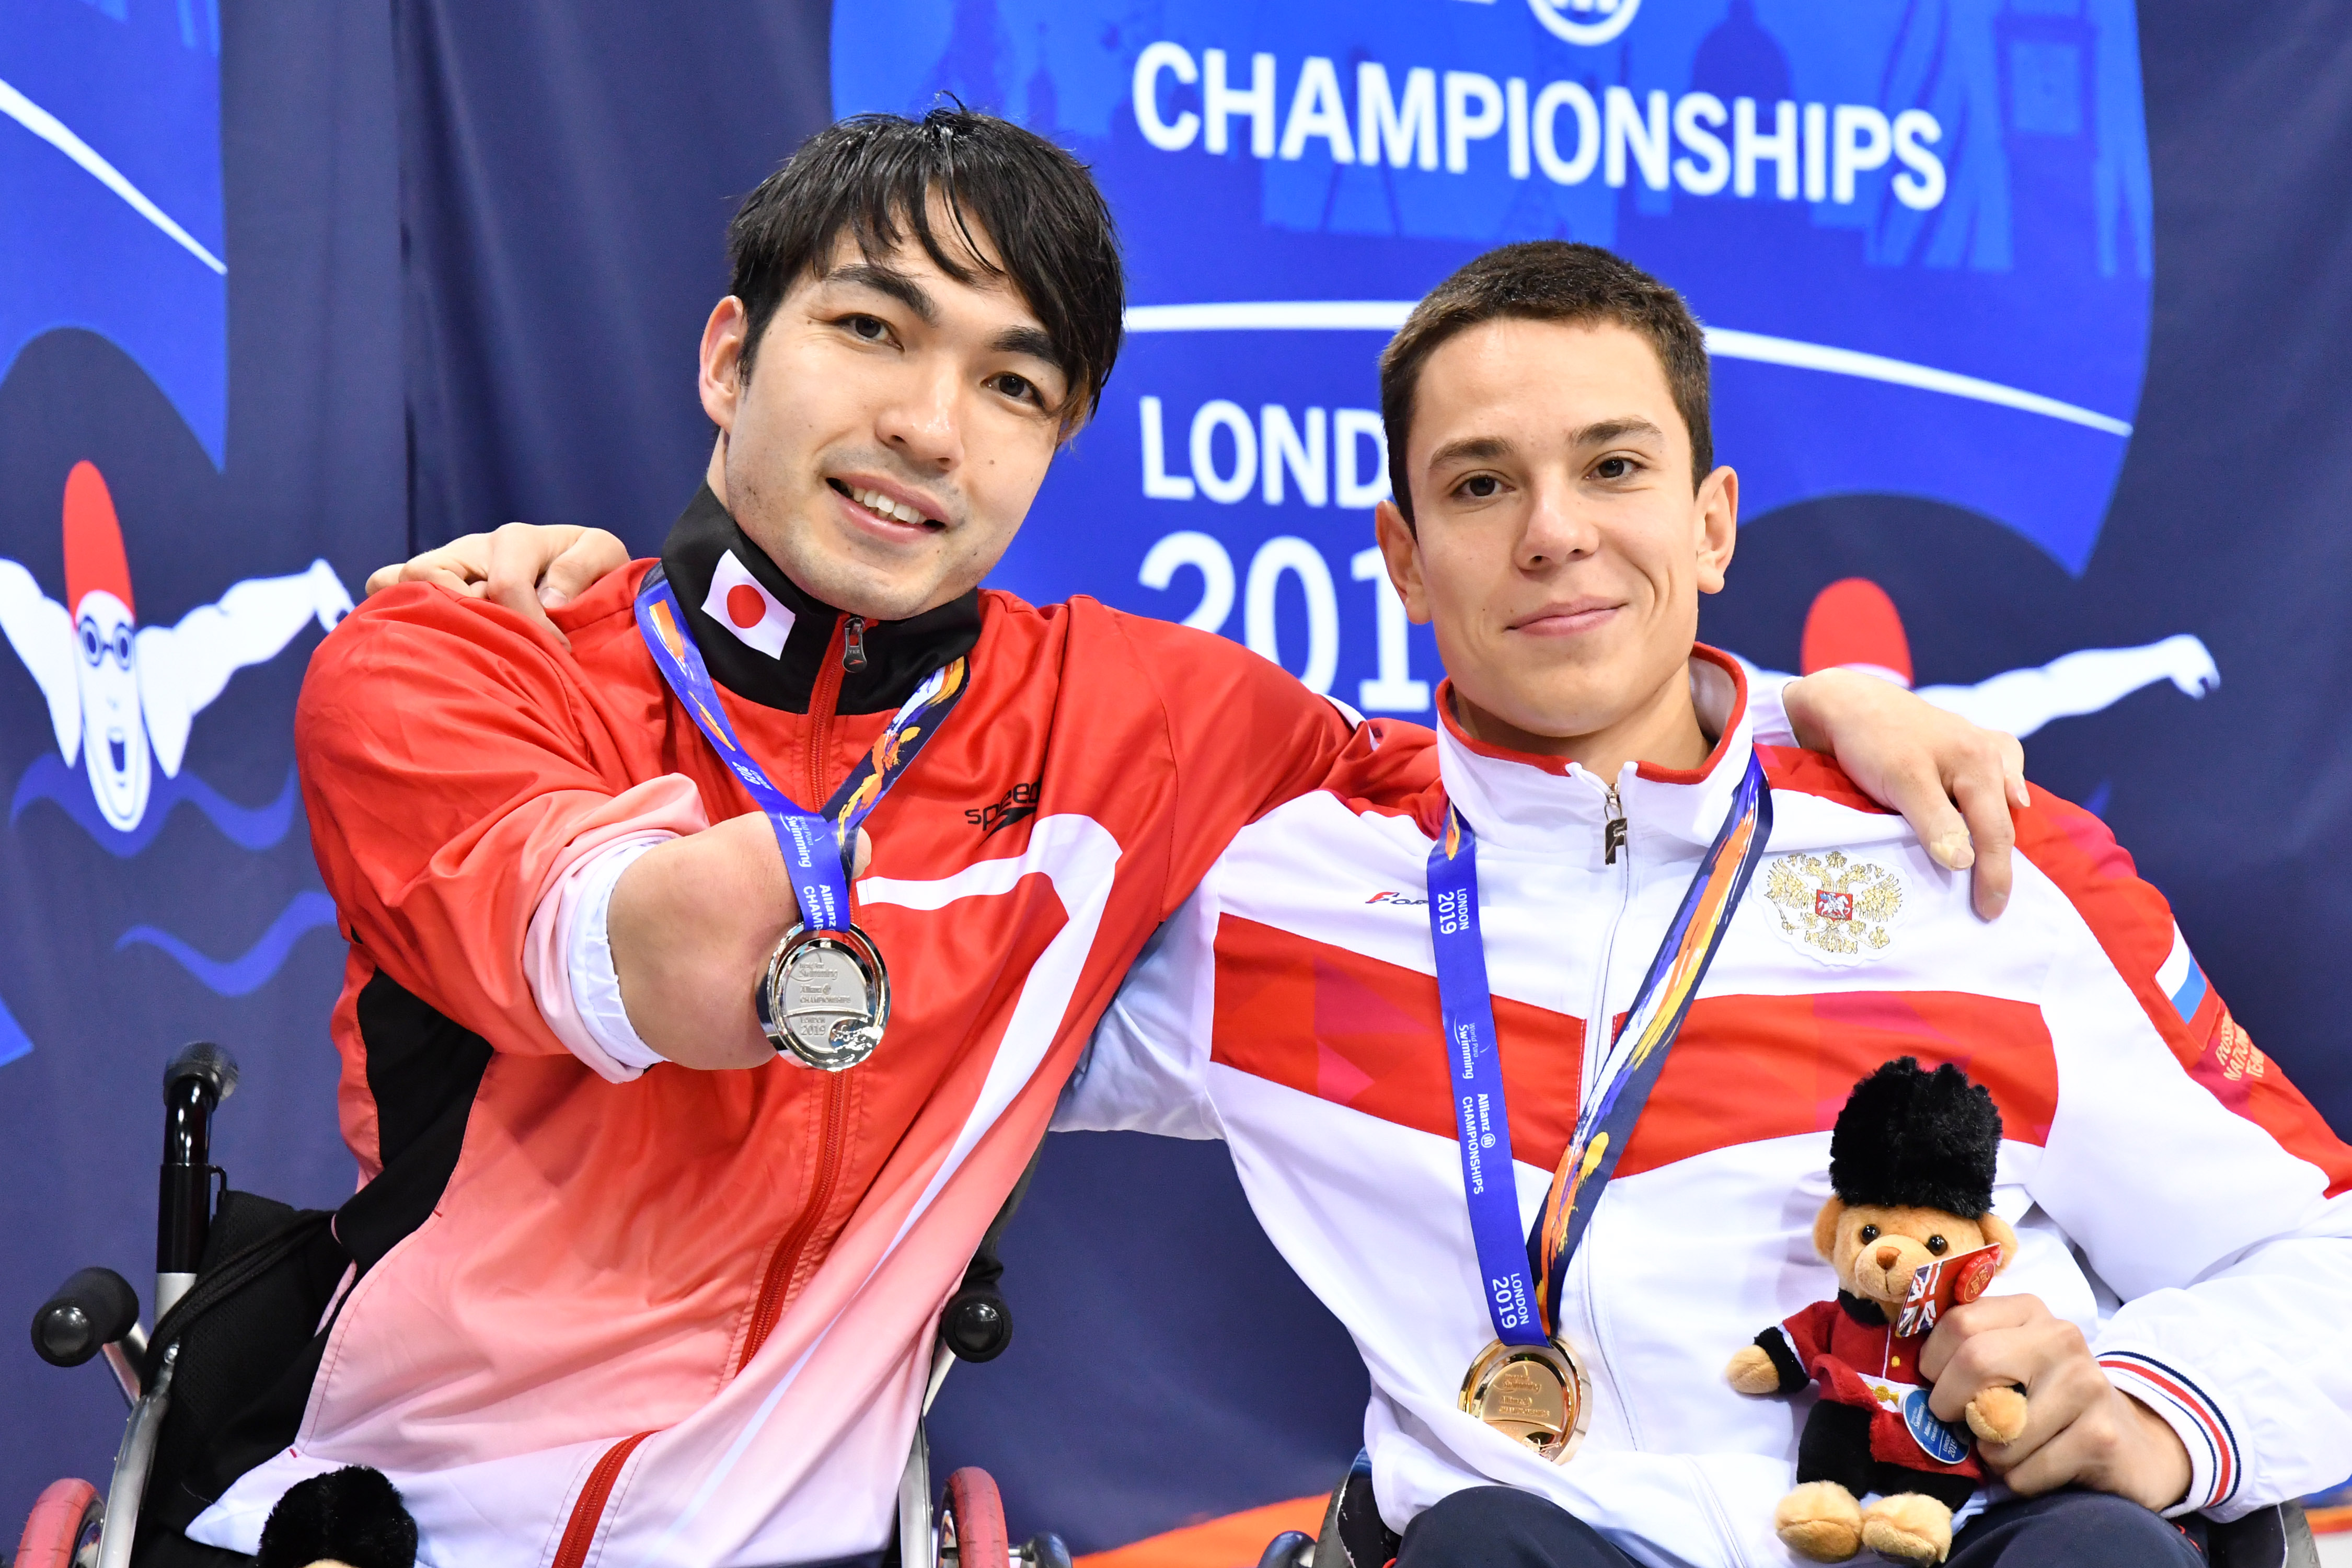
(824, 998)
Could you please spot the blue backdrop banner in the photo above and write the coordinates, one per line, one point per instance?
(2027, 316)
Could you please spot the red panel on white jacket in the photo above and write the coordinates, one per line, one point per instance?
(2175, 1196)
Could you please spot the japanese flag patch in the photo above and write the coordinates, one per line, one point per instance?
(737, 602)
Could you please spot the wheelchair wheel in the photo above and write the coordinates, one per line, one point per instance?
(971, 1522)
(62, 1531)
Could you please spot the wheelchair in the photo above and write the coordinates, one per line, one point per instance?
(1353, 1535)
(212, 1251)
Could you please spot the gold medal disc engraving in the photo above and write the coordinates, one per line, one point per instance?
(824, 998)
(1535, 1394)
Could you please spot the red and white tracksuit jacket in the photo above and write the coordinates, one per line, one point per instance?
(2175, 1196)
(676, 1317)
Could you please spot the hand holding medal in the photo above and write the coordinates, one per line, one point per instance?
(825, 997)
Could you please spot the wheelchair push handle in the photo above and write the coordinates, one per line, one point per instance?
(207, 1063)
(89, 1311)
(194, 1083)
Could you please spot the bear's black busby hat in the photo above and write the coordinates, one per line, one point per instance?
(1912, 1139)
(354, 1516)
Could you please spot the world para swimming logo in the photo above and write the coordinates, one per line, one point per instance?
(1938, 1439)
(1586, 22)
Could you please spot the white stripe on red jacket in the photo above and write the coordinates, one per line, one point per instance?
(2175, 1196)
(683, 1317)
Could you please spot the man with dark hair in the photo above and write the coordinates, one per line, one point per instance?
(1548, 1241)
(1544, 281)
(602, 1305)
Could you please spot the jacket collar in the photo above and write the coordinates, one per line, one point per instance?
(1548, 805)
(899, 654)
(1868, 1313)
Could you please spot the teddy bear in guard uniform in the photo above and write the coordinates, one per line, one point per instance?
(1911, 1167)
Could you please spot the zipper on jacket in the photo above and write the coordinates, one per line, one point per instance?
(777, 1282)
(1602, 1355)
(588, 1512)
(1618, 851)
(580, 1530)
(824, 697)
(768, 1307)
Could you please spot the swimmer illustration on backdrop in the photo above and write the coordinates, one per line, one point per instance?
(124, 694)
(1854, 625)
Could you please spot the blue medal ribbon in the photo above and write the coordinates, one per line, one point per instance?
(1523, 1273)
(816, 845)
(1474, 1068)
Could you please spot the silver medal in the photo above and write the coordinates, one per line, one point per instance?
(824, 998)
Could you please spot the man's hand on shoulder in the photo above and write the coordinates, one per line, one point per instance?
(1952, 781)
(529, 568)
(2079, 1429)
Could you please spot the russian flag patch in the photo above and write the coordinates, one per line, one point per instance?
(2179, 978)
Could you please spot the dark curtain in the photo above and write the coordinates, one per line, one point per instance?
(567, 173)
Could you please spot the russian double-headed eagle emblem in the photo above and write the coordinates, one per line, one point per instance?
(1839, 909)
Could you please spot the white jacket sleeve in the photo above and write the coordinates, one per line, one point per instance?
(1768, 709)
(1145, 1069)
(2199, 1186)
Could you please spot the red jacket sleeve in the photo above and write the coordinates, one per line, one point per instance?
(1809, 1331)
(448, 757)
(1246, 736)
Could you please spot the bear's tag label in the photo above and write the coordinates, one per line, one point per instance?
(1936, 1288)
(1938, 1439)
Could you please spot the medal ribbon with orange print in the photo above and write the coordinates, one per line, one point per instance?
(816, 845)
(1638, 1046)
(1629, 1069)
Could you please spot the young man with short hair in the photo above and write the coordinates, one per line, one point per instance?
(601, 1305)
(2175, 1311)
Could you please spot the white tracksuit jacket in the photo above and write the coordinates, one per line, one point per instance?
(2175, 1196)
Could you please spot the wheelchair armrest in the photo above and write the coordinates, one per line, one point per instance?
(2276, 1537)
(92, 1310)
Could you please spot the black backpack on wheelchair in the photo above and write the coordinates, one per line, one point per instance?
(241, 1286)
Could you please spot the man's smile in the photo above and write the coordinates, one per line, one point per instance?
(891, 512)
(1567, 617)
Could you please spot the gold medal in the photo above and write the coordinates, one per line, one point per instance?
(824, 998)
(1533, 1394)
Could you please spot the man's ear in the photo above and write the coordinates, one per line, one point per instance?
(1825, 1225)
(723, 337)
(1996, 1231)
(1718, 527)
(1402, 552)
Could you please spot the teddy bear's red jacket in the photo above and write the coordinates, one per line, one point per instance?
(1871, 1367)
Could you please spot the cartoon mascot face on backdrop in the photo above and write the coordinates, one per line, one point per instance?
(97, 596)
(124, 697)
